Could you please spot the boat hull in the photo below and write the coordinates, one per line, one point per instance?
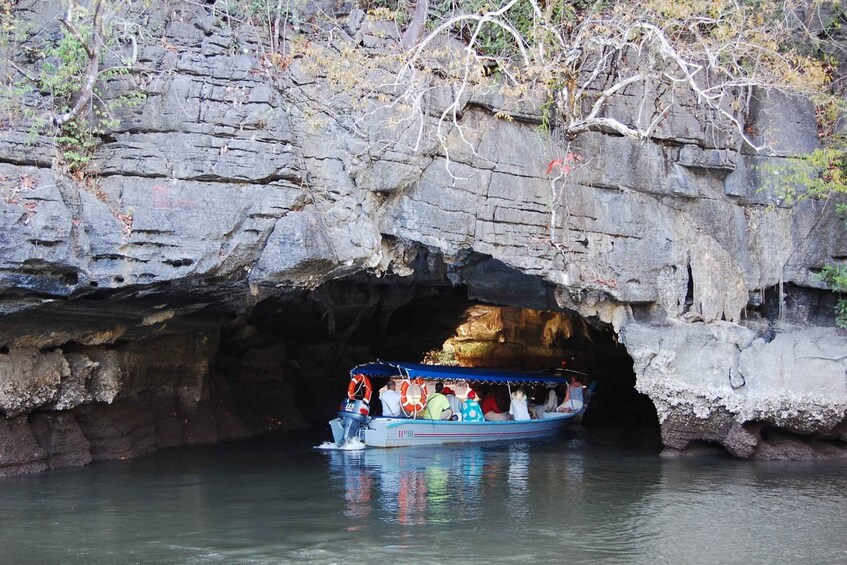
(399, 432)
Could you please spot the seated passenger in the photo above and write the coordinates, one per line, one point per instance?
(573, 397)
(455, 403)
(391, 401)
(437, 405)
(491, 410)
(471, 412)
(517, 409)
(549, 404)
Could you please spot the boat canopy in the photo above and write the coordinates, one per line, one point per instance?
(450, 373)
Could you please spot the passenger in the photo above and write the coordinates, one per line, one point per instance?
(549, 404)
(573, 401)
(437, 406)
(471, 412)
(391, 401)
(455, 403)
(491, 410)
(517, 409)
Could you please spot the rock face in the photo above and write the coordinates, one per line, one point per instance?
(110, 402)
(722, 383)
(234, 182)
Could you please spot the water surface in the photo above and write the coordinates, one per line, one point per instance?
(578, 499)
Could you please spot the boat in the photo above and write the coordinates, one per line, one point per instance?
(355, 425)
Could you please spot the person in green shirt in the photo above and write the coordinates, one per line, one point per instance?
(437, 406)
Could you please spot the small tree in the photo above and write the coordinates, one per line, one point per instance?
(67, 75)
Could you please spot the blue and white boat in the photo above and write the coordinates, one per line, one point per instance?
(355, 424)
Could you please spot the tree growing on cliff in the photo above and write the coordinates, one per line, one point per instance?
(53, 82)
(616, 67)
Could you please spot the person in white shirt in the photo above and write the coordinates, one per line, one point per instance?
(518, 408)
(391, 401)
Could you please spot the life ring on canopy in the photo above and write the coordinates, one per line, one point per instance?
(409, 404)
(357, 382)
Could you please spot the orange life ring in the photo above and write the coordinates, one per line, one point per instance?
(410, 406)
(356, 383)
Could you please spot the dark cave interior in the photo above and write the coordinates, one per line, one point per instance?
(302, 345)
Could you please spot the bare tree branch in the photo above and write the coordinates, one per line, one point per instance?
(415, 29)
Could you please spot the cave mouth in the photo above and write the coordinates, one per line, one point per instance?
(287, 362)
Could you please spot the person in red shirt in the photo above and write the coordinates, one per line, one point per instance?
(490, 409)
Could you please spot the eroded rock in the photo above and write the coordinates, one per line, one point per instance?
(30, 379)
(716, 382)
(19, 451)
(61, 438)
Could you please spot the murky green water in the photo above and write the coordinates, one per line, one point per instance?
(580, 499)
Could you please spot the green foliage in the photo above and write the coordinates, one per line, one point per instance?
(835, 278)
(77, 141)
(495, 41)
(15, 91)
(269, 20)
(62, 72)
(11, 105)
(444, 356)
(817, 175)
(391, 5)
(63, 68)
(105, 109)
(548, 107)
(265, 14)
(7, 22)
(259, 10)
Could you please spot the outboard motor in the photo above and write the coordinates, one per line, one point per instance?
(354, 410)
(353, 413)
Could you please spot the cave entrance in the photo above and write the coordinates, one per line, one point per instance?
(477, 334)
(287, 363)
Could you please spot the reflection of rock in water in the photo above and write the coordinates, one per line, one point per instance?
(574, 470)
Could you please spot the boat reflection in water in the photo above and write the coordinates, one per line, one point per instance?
(583, 497)
(537, 501)
(518, 482)
(436, 485)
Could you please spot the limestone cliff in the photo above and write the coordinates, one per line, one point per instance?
(233, 183)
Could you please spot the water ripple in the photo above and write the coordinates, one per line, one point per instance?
(551, 501)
